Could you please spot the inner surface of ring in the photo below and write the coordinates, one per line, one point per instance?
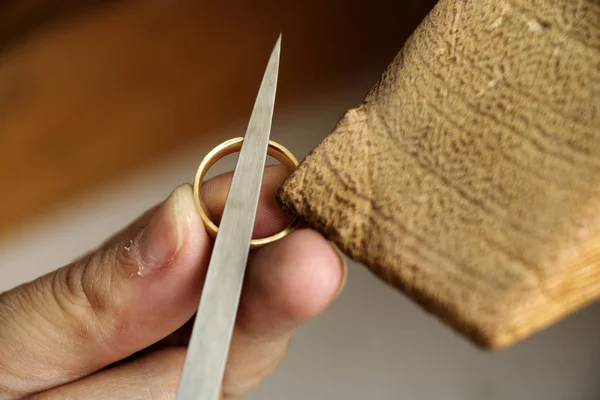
(232, 146)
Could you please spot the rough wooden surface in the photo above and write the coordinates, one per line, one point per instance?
(470, 176)
(93, 90)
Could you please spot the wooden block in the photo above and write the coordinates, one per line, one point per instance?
(469, 178)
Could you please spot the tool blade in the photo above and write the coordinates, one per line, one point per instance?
(208, 349)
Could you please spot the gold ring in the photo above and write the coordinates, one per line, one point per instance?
(275, 150)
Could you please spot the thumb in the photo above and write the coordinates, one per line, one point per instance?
(136, 289)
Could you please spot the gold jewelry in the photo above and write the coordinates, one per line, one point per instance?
(275, 150)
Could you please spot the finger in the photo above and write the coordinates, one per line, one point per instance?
(270, 219)
(287, 283)
(154, 376)
(138, 288)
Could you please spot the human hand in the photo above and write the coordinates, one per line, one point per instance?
(114, 324)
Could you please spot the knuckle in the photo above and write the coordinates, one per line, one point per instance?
(74, 304)
(85, 294)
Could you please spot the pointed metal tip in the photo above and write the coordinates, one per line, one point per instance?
(275, 53)
(278, 43)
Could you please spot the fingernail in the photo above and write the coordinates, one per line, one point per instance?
(162, 237)
(343, 266)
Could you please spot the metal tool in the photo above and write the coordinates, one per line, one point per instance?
(208, 349)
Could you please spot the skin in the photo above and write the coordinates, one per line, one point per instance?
(115, 323)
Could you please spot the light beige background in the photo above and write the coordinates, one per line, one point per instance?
(372, 343)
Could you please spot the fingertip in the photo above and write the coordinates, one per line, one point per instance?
(291, 281)
(310, 274)
(147, 303)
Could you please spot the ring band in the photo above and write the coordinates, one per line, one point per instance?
(275, 150)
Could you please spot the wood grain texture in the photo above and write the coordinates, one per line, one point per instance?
(469, 178)
(91, 91)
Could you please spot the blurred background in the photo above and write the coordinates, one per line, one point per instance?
(105, 106)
